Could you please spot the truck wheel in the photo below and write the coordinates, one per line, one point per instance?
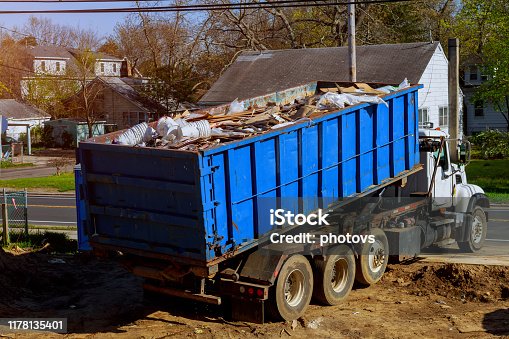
(334, 276)
(477, 230)
(372, 259)
(291, 294)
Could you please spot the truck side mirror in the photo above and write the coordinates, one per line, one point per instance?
(464, 152)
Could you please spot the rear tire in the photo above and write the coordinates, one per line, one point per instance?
(334, 276)
(477, 230)
(373, 258)
(290, 296)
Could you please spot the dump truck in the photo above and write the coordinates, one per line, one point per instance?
(204, 225)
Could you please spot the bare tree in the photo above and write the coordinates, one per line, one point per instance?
(84, 104)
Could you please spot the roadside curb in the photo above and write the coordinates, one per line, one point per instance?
(499, 205)
(51, 193)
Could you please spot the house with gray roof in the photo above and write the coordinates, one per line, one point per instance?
(20, 116)
(120, 101)
(259, 73)
(55, 60)
(48, 63)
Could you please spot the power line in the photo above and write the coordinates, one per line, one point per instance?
(204, 7)
(106, 1)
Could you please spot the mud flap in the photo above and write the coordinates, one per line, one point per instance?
(243, 309)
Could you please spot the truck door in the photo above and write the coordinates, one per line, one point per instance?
(443, 187)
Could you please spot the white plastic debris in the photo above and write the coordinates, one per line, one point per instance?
(285, 124)
(404, 84)
(196, 129)
(168, 129)
(389, 89)
(236, 107)
(164, 125)
(134, 135)
(204, 128)
(150, 134)
(216, 131)
(190, 131)
(331, 99)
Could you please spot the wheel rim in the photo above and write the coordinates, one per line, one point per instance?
(477, 229)
(339, 275)
(376, 256)
(294, 288)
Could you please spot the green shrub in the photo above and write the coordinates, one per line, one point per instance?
(491, 144)
(67, 140)
(47, 136)
(36, 134)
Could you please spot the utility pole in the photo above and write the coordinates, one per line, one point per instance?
(351, 42)
(454, 62)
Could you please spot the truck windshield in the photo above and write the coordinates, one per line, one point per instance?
(442, 160)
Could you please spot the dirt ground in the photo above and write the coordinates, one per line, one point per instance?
(102, 300)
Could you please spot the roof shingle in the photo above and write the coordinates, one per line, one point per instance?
(259, 73)
(13, 109)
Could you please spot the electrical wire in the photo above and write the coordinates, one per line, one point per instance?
(204, 7)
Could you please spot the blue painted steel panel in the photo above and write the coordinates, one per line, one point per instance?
(83, 244)
(349, 151)
(200, 205)
(382, 153)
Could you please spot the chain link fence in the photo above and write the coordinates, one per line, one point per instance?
(16, 208)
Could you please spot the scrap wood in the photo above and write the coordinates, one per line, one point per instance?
(183, 143)
(349, 90)
(222, 117)
(258, 118)
(216, 126)
(332, 89)
(368, 89)
(303, 111)
(197, 116)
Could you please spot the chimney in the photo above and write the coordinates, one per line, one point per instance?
(125, 69)
(454, 64)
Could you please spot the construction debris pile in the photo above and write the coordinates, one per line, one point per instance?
(204, 129)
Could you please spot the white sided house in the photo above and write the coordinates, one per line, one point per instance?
(46, 62)
(21, 117)
(108, 67)
(259, 73)
(479, 115)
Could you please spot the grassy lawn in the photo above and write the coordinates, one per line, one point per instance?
(61, 183)
(8, 164)
(492, 176)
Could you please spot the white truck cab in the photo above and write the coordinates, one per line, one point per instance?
(449, 187)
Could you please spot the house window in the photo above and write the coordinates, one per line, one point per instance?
(114, 68)
(423, 116)
(43, 66)
(443, 116)
(102, 67)
(479, 108)
(58, 66)
(473, 73)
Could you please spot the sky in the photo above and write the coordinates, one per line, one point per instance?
(102, 23)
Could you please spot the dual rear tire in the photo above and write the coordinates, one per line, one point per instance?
(329, 279)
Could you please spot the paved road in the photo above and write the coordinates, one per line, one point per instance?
(51, 210)
(59, 210)
(495, 250)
